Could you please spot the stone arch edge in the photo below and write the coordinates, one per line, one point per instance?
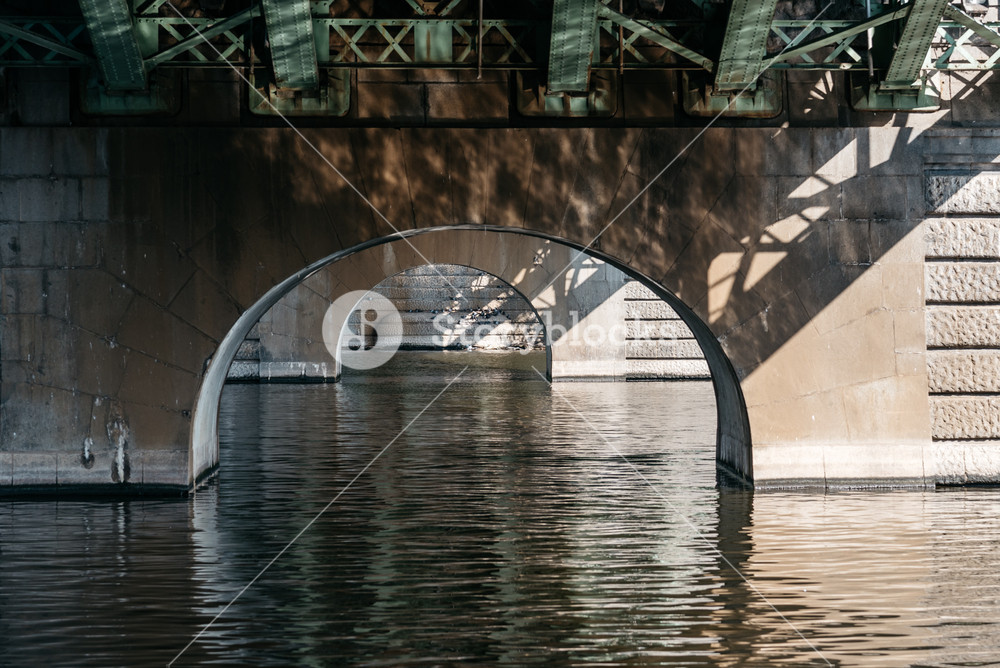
(733, 441)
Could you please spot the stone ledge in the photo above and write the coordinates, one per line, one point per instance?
(666, 369)
(833, 466)
(636, 290)
(962, 462)
(663, 349)
(648, 310)
(671, 329)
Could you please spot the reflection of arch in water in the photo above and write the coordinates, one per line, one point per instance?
(544, 268)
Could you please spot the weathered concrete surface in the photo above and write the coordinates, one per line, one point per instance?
(801, 250)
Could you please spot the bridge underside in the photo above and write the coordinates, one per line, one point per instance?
(129, 254)
(833, 234)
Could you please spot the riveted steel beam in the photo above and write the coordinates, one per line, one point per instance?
(657, 34)
(914, 45)
(571, 49)
(958, 16)
(744, 44)
(200, 35)
(50, 45)
(293, 44)
(840, 36)
(119, 59)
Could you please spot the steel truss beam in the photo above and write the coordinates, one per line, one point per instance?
(293, 45)
(744, 44)
(959, 43)
(109, 23)
(572, 45)
(658, 34)
(914, 45)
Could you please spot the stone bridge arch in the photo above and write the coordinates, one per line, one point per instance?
(129, 252)
(544, 269)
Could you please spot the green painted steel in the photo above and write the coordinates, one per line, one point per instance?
(196, 34)
(119, 59)
(293, 45)
(657, 33)
(914, 45)
(44, 49)
(839, 34)
(572, 45)
(744, 44)
(170, 40)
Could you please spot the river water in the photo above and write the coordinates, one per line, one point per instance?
(504, 522)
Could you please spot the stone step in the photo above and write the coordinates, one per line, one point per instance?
(446, 269)
(649, 311)
(455, 319)
(663, 349)
(447, 294)
(430, 305)
(676, 369)
(249, 350)
(963, 326)
(654, 329)
(430, 278)
(962, 282)
(636, 290)
(957, 371)
(244, 370)
(489, 342)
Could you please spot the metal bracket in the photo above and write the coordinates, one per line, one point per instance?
(868, 97)
(332, 98)
(764, 101)
(600, 100)
(162, 97)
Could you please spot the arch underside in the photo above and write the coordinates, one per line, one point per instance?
(552, 275)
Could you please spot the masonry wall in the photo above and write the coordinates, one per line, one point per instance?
(130, 246)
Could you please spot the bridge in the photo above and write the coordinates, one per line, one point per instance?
(812, 187)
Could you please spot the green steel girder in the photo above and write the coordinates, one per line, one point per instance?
(119, 59)
(293, 43)
(572, 45)
(200, 31)
(744, 44)
(839, 33)
(914, 45)
(169, 40)
(658, 34)
(40, 48)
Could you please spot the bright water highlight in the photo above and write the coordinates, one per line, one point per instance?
(501, 528)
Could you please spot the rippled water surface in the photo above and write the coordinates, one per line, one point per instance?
(504, 522)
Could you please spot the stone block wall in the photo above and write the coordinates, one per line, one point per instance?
(962, 287)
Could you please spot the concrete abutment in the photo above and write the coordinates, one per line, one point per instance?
(128, 254)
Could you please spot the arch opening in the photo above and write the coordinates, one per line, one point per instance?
(545, 269)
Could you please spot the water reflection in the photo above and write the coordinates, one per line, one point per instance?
(498, 529)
